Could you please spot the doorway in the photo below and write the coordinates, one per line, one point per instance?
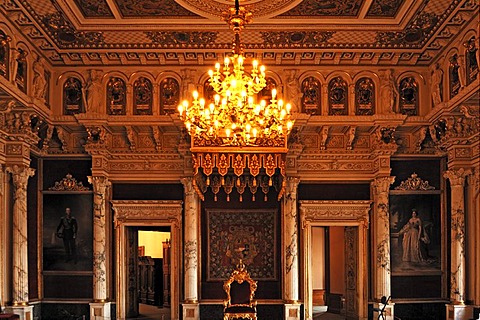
(341, 229)
(153, 273)
(134, 286)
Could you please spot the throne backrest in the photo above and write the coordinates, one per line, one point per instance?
(240, 288)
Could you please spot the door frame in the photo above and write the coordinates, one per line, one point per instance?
(152, 213)
(320, 213)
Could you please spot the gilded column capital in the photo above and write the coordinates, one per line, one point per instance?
(382, 184)
(100, 186)
(457, 176)
(188, 185)
(20, 175)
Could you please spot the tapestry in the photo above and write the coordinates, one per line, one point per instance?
(247, 235)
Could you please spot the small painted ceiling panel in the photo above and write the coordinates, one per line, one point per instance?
(385, 8)
(94, 9)
(152, 8)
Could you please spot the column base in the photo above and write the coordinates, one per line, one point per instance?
(24, 311)
(100, 310)
(292, 311)
(388, 311)
(191, 311)
(459, 312)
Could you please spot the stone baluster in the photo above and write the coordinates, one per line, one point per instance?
(99, 306)
(190, 307)
(291, 268)
(381, 241)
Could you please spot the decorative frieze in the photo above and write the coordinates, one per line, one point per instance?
(336, 210)
(147, 210)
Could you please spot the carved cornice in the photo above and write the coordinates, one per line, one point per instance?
(168, 210)
(318, 210)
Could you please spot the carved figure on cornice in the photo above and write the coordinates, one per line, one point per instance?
(421, 135)
(5, 113)
(294, 93)
(436, 85)
(386, 135)
(472, 120)
(388, 91)
(96, 135)
(39, 82)
(188, 83)
(62, 136)
(19, 68)
(350, 137)
(414, 183)
(157, 137)
(48, 137)
(131, 138)
(324, 137)
(93, 91)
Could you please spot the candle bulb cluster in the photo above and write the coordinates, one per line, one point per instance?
(234, 117)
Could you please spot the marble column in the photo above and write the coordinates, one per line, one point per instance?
(20, 175)
(99, 306)
(290, 233)
(191, 309)
(381, 242)
(457, 245)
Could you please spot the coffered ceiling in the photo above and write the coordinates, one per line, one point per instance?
(286, 32)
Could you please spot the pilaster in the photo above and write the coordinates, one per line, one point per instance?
(191, 310)
(290, 248)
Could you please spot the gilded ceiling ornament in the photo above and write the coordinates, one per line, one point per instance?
(296, 38)
(69, 183)
(414, 34)
(164, 38)
(325, 8)
(65, 34)
(414, 183)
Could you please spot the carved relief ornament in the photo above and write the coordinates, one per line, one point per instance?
(318, 210)
(69, 183)
(414, 183)
(147, 210)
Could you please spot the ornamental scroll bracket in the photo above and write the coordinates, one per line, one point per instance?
(242, 171)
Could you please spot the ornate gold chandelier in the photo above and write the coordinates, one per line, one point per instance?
(234, 118)
(237, 143)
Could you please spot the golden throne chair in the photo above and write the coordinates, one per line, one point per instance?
(240, 290)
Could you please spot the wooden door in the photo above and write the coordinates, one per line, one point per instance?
(132, 272)
(351, 276)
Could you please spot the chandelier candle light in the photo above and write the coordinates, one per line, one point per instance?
(234, 118)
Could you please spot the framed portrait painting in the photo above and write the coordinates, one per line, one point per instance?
(67, 231)
(416, 237)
